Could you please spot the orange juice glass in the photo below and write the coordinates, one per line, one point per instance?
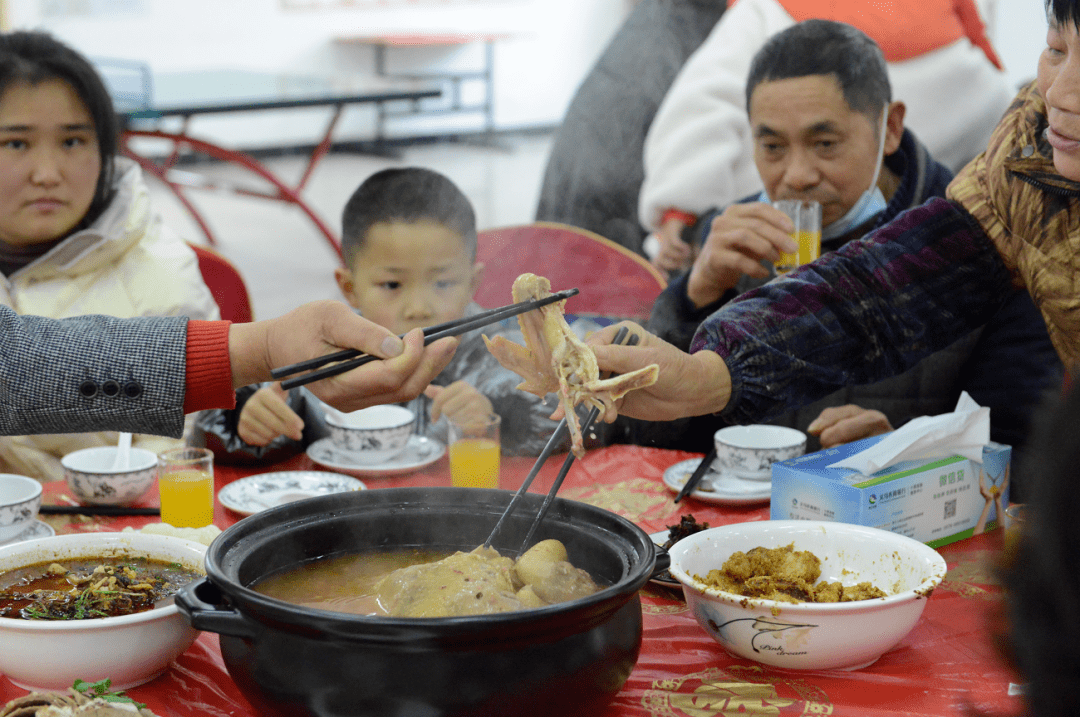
(186, 484)
(474, 453)
(806, 216)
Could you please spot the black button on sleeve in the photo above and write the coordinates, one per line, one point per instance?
(110, 388)
(88, 389)
(133, 389)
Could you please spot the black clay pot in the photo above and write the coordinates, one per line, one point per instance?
(289, 660)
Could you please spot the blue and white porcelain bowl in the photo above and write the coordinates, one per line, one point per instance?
(372, 435)
(20, 499)
(810, 636)
(91, 478)
(749, 451)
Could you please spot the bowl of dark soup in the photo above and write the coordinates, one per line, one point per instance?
(313, 646)
(94, 605)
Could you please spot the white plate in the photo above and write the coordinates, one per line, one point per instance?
(419, 452)
(37, 529)
(268, 490)
(727, 489)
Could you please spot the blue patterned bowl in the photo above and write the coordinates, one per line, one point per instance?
(20, 499)
(749, 451)
(91, 478)
(372, 435)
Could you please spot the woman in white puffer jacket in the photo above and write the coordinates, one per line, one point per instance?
(78, 234)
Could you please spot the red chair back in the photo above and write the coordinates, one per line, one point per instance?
(225, 284)
(614, 281)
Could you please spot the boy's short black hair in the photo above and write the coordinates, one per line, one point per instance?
(826, 47)
(409, 194)
(1064, 12)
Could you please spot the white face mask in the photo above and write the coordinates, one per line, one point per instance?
(869, 204)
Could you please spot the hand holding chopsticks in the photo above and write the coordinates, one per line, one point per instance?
(348, 359)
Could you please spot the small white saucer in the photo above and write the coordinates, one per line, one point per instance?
(36, 529)
(419, 453)
(726, 489)
(269, 490)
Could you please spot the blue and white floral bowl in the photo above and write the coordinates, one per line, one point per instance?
(91, 478)
(20, 500)
(748, 452)
(372, 435)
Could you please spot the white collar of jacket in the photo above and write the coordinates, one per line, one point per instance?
(118, 229)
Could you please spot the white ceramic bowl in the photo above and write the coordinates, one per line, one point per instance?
(373, 435)
(90, 476)
(129, 649)
(811, 636)
(20, 500)
(749, 451)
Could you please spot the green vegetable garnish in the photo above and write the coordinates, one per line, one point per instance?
(100, 690)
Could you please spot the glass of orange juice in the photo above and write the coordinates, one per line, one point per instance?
(806, 216)
(474, 452)
(186, 483)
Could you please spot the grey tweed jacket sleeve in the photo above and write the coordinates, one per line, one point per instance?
(91, 373)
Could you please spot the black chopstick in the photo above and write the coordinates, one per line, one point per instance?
(96, 510)
(697, 475)
(351, 358)
(556, 437)
(620, 337)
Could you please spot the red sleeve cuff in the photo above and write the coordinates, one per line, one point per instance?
(685, 217)
(209, 371)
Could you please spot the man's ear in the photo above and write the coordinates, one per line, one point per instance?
(477, 277)
(344, 280)
(894, 127)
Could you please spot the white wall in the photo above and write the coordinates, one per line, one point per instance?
(551, 45)
(1019, 34)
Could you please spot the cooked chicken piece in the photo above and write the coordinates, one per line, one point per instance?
(475, 583)
(555, 360)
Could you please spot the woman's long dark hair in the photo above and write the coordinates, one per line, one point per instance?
(34, 57)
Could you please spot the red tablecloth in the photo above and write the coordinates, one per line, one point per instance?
(946, 665)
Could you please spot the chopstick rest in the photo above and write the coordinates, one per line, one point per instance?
(349, 359)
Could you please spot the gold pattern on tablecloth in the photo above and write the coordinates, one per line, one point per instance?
(657, 600)
(637, 499)
(971, 577)
(733, 692)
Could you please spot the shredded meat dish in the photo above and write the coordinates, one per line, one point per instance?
(555, 360)
(783, 574)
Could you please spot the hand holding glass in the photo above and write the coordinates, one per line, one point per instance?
(186, 483)
(806, 216)
(474, 452)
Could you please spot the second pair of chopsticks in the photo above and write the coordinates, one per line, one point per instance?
(621, 337)
(348, 359)
(697, 475)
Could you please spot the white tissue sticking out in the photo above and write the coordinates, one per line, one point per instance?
(963, 432)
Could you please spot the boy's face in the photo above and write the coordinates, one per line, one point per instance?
(409, 275)
(1059, 84)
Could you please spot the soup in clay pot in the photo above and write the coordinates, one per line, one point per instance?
(417, 583)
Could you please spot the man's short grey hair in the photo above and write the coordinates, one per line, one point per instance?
(826, 47)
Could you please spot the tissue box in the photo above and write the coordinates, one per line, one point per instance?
(936, 501)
